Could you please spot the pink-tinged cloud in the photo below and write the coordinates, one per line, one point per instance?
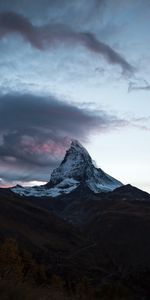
(33, 146)
(35, 142)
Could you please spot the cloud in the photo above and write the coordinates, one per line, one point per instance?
(52, 35)
(141, 123)
(134, 86)
(34, 133)
(11, 22)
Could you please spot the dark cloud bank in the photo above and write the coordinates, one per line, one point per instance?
(51, 35)
(34, 133)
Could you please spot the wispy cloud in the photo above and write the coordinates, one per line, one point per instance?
(136, 86)
(142, 123)
(53, 35)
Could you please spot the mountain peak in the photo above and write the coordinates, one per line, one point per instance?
(77, 165)
(76, 144)
(76, 169)
(73, 165)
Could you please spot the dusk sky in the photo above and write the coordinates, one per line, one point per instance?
(74, 69)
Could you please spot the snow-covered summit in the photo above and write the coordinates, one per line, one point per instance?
(74, 164)
(76, 169)
(77, 164)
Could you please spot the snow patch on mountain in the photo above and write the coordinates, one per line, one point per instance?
(65, 187)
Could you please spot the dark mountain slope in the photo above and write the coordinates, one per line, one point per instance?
(103, 236)
(42, 233)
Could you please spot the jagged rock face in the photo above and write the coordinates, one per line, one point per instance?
(78, 166)
(76, 169)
